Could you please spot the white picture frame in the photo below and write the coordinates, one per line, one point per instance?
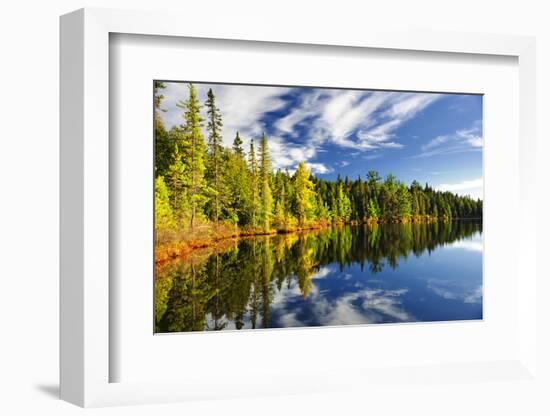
(85, 221)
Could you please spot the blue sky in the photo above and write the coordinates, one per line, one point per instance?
(434, 138)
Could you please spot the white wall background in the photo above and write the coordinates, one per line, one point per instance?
(29, 56)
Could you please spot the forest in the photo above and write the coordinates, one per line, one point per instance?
(205, 192)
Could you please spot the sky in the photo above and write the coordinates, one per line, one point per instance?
(428, 137)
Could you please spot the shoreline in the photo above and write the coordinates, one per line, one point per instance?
(177, 249)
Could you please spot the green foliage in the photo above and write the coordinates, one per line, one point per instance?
(193, 152)
(164, 217)
(239, 189)
(163, 146)
(238, 145)
(178, 186)
(265, 187)
(373, 210)
(304, 193)
(343, 205)
(254, 185)
(199, 181)
(215, 159)
(404, 202)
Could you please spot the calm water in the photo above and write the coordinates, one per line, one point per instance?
(337, 276)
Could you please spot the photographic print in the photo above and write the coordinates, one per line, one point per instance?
(280, 207)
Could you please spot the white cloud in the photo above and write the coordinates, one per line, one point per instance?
(242, 107)
(475, 296)
(463, 140)
(362, 120)
(473, 188)
(353, 119)
(470, 245)
(438, 141)
(305, 109)
(366, 306)
(359, 120)
(318, 168)
(449, 292)
(323, 272)
(376, 305)
(471, 136)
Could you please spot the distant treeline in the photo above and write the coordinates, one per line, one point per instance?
(201, 182)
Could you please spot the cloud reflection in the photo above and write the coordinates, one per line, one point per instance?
(366, 306)
(449, 292)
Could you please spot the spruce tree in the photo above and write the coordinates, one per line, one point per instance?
(215, 151)
(305, 192)
(164, 147)
(238, 145)
(193, 152)
(254, 179)
(163, 211)
(265, 184)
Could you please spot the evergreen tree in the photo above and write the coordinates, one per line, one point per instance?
(304, 193)
(238, 145)
(163, 211)
(176, 179)
(254, 185)
(193, 152)
(323, 212)
(343, 204)
(404, 209)
(265, 186)
(238, 188)
(164, 147)
(215, 152)
(194, 181)
(373, 210)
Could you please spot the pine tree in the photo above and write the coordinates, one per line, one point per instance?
(283, 203)
(214, 127)
(164, 147)
(238, 188)
(163, 211)
(343, 204)
(254, 179)
(323, 212)
(373, 210)
(193, 152)
(176, 180)
(404, 202)
(305, 192)
(390, 199)
(265, 186)
(193, 180)
(238, 145)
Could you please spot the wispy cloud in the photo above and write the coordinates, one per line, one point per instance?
(364, 306)
(463, 140)
(360, 120)
(365, 121)
(242, 107)
(469, 245)
(450, 292)
(473, 187)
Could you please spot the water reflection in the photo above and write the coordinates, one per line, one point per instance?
(335, 276)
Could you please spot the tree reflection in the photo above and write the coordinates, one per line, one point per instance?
(224, 288)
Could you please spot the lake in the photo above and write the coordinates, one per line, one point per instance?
(343, 275)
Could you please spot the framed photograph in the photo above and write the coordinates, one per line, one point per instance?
(280, 206)
(277, 194)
